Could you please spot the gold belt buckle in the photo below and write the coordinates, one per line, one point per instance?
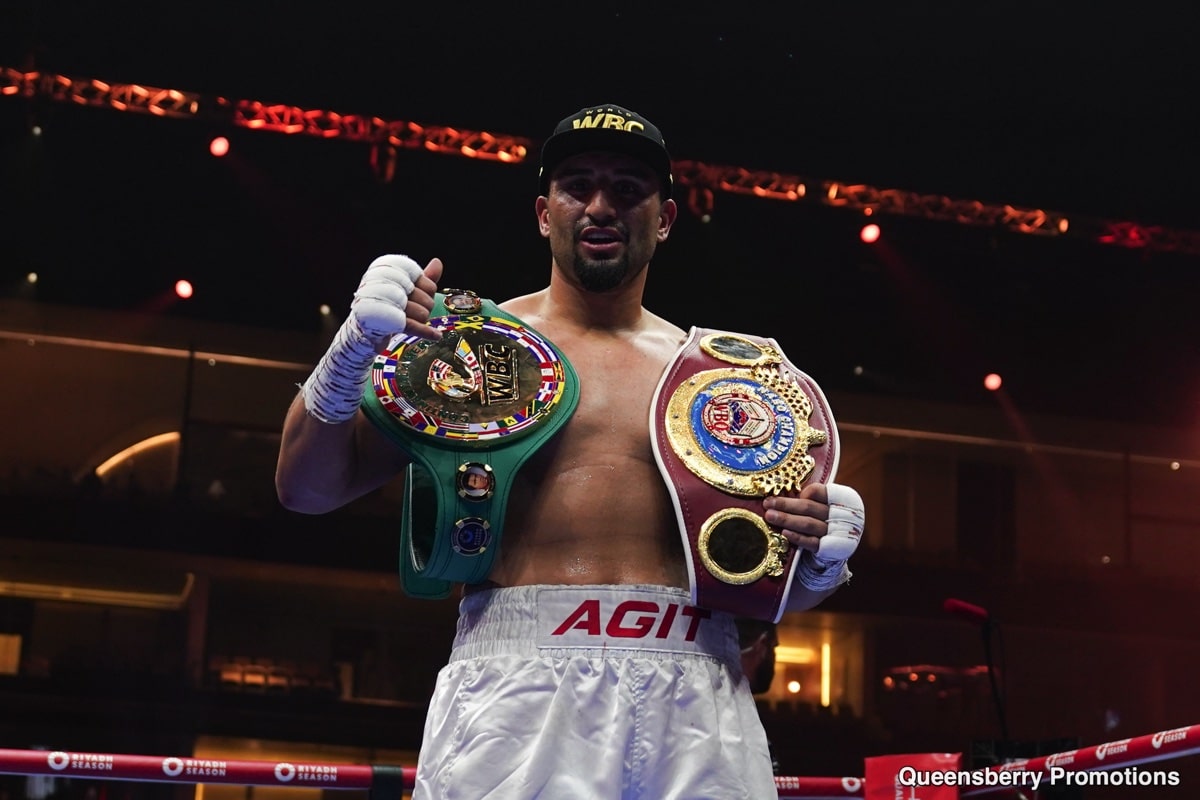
(489, 378)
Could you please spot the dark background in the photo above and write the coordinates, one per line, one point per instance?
(1088, 110)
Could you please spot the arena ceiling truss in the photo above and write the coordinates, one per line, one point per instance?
(701, 181)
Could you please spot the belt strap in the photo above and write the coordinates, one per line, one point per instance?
(732, 421)
(469, 410)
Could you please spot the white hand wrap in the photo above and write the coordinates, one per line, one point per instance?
(334, 389)
(826, 568)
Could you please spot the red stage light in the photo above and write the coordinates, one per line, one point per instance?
(992, 382)
(219, 146)
(183, 289)
(869, 233)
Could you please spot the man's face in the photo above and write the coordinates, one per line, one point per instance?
(758, 660)
(604, 218)
(764, 673)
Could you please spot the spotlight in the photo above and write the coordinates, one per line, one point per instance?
(992, 382)
(869, 233)
(700, 202)
(183, 289)
(219, 146)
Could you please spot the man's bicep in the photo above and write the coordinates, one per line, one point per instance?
(379, 459)
(324, 466)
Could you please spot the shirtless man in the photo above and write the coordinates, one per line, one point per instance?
(589, 517)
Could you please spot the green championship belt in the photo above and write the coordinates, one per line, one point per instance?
(469, 410)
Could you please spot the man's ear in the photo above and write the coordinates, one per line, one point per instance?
(542, 207)
(666, 218)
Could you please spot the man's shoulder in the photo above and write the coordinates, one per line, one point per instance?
(666, 329)
(524, 305)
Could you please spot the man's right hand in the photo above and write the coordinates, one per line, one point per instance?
(394, 296)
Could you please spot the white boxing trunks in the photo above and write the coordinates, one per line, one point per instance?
(597, 692)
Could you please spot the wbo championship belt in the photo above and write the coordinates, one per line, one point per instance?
(469, 410)
(732, 421)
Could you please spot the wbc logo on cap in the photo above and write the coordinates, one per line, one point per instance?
(606, 118)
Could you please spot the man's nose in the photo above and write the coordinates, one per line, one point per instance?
(600, 206)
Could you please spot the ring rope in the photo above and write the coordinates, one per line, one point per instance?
(387, 781)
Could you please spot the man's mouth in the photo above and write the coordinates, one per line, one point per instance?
(601, 241)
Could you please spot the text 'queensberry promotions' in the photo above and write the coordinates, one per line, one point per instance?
(1054, 776)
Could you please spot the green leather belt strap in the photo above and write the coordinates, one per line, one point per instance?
(469, 410)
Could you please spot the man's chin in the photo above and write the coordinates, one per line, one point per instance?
(600, 276)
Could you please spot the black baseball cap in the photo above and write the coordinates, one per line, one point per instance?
(611, 128)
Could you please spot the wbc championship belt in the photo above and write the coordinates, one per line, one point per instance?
(469, 410)
(732, 421)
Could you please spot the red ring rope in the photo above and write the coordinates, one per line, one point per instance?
(1168, 744)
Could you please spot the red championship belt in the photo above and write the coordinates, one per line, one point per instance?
(732, 421)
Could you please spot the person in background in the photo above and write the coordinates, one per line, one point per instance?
(758, 640)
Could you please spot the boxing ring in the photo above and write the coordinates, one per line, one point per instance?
(392, 783)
